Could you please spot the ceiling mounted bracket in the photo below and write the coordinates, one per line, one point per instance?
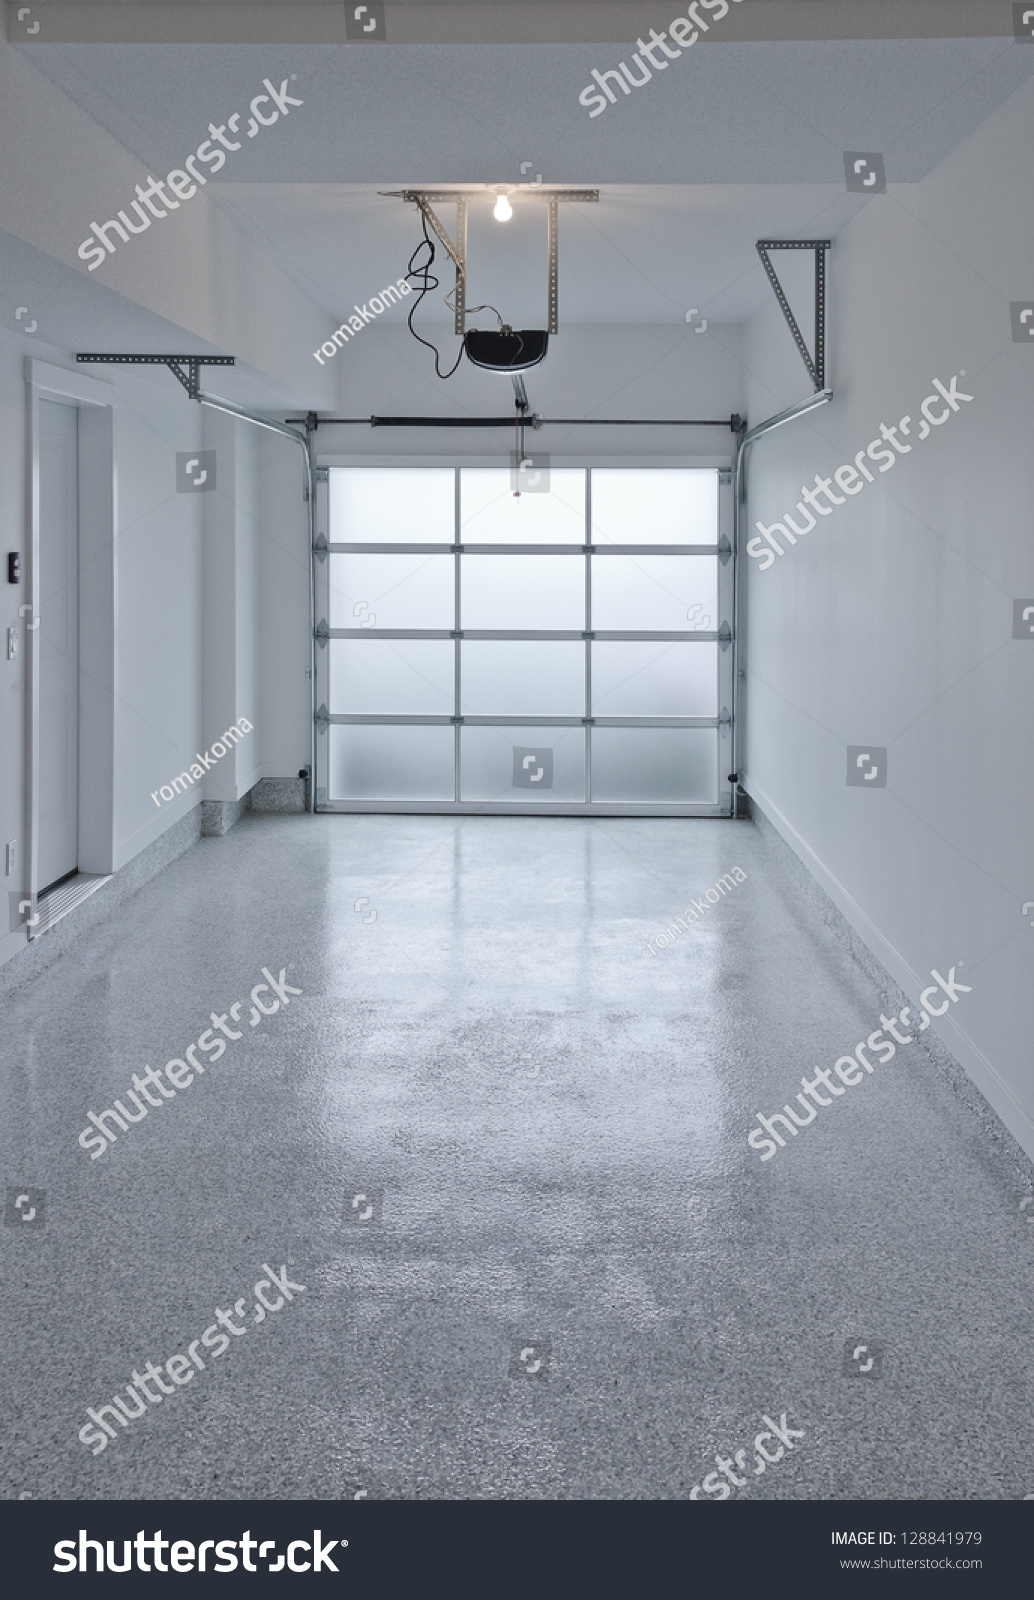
(817, 367)
(458, 250)
(190, 379)
(554, 284)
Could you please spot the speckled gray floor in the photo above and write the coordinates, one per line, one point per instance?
(548, 1124)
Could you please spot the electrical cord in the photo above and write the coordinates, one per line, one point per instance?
(426, 282)
(449, 301)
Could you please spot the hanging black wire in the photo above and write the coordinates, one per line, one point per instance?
(426, 281)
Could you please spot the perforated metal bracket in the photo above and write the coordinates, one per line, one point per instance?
(554, 267)
(817, 367)
(458, 249)
(190, 379)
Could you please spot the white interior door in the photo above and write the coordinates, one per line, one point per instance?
(58, 591)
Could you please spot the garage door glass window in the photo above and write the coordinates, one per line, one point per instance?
(559, 649)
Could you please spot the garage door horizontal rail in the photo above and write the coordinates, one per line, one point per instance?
(386, 548)
(356, 719)
(549, 635)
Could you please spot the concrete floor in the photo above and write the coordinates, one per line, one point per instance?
(550, 1125)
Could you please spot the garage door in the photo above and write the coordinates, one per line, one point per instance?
(563, 649)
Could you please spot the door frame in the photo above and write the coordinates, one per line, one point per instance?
(96, 405)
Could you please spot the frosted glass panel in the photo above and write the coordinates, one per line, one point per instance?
(654, 680)
(523, 764)
(392, 677)
(666, 506)
(517, 678)
(523, 592)
(403, 591)
(490, 513)
(634, 594)
(391, 763)
(377, 505)
(673, 765)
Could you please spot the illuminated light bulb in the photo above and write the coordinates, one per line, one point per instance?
(502, 211)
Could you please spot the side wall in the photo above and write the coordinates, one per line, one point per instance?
(890, 623)
(210, 603)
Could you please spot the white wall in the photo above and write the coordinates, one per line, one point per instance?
(157, 591)
(157, 620)
(283, 647)
(211, 605)
(196, 268)
(891, 622)
(256, 605)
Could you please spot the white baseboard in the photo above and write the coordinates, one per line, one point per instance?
(954, 1038)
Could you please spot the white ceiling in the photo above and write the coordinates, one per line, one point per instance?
(730, 144)
(749, 113)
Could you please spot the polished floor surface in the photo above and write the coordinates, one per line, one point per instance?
(502, 1146)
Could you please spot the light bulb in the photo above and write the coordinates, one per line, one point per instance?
(502, 211)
